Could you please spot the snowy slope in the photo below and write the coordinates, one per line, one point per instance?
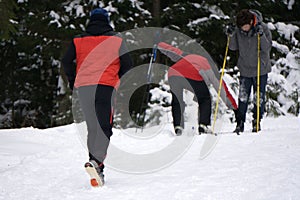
(48, 164)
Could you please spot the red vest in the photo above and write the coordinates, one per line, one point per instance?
(97, 59)
(189, 67)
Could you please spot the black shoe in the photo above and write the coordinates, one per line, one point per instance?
(254, 125)
(203, 129)
(239, 128)
(178, 130)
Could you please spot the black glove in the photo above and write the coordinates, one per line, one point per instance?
(229, 29)
(259, 29)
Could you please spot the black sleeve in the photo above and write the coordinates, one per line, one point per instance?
(69, 64)
(125, 60)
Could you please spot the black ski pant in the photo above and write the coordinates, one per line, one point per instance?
(96, 105)
(201, 92)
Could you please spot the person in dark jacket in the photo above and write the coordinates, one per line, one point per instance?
(244, 39)
(101, 59)
(194, 73)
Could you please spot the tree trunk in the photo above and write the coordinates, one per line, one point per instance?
(156, 12)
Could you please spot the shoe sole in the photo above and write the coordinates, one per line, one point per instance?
(95, 180)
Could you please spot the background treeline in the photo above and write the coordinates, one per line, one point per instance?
(35, 34)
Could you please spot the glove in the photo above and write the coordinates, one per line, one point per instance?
(259, 29)
(229, 29)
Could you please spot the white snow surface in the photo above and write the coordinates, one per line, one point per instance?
(48, 164)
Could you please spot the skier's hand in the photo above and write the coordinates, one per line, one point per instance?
(229, 29)
(259, 29)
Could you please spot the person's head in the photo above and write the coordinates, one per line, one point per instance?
(244, 20)
(99, 14)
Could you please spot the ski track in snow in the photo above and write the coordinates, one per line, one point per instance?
(48, 164)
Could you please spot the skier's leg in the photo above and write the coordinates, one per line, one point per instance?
(104, 113)
(204, 101)
(177, 101)
(87, 104)
(244, 93)
(262, 89)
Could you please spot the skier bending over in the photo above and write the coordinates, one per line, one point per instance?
(193, 72)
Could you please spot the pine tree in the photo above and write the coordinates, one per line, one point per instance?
(7, 18)
(34, 36)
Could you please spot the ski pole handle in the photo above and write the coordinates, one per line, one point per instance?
(157, 39)
(154, 51)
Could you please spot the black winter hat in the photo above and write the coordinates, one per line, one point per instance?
(99, 14)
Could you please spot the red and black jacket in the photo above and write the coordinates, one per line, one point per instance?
(101, 57)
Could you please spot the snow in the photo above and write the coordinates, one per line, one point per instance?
(22, 1)
(288, 31)
(13, 21)
(75, 4)
(61, 85)
(197, 21)
(157, 94)
(280, 47)
(56, 18)
(290, 4)
(137, 4)
(80, 11)
(197, 5)
(48, 164)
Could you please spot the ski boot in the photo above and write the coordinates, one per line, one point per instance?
(239, 127)
(239, 122)
(96, 173)
(254, 124)
(204, 129)
(178, 130)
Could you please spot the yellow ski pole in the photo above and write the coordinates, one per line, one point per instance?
(220, 85)
(258, 83)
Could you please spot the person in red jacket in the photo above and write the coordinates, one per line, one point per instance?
(194, 73)
(101, 59)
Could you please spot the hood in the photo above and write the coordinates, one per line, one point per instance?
(98, 27)
(258, 17)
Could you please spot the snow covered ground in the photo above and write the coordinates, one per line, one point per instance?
(48, 164)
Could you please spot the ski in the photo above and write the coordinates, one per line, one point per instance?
(220, 133)
(228, 133)
(209, 133)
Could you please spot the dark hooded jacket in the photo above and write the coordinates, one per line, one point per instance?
(247, 45)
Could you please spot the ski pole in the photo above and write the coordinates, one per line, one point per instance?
(220, 85)
(146, 94)
(258, 83)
